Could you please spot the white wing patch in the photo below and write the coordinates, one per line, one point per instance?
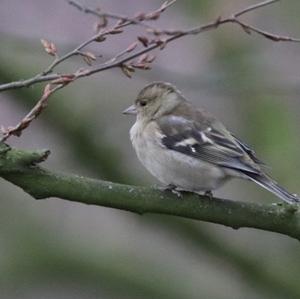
(185, 142)
(159, 134)
(205, 139)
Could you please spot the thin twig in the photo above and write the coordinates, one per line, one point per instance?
(137, 20)
(125, 58)
(39, 78)
(74, 52)
(33, 114)
(274, 37)
(173, 35)
(254, 7)
(44, 75)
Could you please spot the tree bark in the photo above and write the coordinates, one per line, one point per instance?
(21, 168)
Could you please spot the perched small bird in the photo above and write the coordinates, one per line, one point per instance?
(189, 150)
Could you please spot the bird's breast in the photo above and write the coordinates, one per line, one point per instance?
(172, 167)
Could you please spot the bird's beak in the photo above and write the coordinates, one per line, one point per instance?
(130, 110)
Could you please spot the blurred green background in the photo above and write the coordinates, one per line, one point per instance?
(58, 249)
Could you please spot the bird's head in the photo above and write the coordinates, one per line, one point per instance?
(155, 100)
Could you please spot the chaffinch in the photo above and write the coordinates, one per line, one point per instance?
(187, 149)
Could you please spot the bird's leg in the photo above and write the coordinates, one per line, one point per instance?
(209, 194)
(171, 188)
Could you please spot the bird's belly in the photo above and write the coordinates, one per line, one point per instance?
(187, 173)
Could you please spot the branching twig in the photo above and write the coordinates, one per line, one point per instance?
(173, 35)
(125, 59)
(138, 19)
(33, 114)
(123, 21)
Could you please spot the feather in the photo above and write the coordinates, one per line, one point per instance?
(213, 144)
(249, 151)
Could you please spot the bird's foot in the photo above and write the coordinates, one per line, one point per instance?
(209, 194)
(171, 188)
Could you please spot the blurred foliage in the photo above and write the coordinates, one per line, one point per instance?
(268, 123)
(274, 125)
(43, 259)
(252, 271)
(197, 8)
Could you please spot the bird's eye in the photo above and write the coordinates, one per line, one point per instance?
(143, 103)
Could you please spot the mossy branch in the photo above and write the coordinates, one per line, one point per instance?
(21, 168)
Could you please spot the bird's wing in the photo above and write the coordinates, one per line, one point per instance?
(211, 143)
(249, 151)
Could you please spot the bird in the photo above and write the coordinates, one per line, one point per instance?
(187, 149)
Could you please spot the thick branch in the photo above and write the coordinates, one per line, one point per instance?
(19, 167)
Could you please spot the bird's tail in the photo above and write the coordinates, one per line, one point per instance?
(272, 186)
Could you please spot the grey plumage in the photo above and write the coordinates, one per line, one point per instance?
(187, 147)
